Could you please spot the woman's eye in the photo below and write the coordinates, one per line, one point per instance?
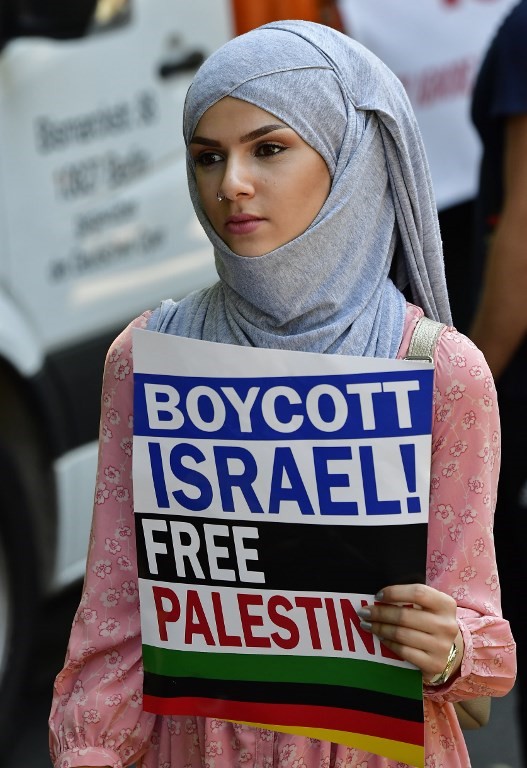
(268, 150)
(208, 158)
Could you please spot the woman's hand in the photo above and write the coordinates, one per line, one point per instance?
(418, 623)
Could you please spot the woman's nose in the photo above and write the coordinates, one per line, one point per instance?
(237, 180)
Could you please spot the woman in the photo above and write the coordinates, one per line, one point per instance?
(308, 175)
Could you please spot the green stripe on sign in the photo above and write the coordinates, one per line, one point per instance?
(351, 673)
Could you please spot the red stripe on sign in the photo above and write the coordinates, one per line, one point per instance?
(301, 715)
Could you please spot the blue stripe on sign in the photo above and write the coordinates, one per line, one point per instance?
(350, 406)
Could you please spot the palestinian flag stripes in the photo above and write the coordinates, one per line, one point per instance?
(269, 509)
(257, 689)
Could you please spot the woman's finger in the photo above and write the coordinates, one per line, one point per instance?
(428, 652)
(422, 595)
(442, 622)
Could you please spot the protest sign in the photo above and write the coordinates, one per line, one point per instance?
(275, 493)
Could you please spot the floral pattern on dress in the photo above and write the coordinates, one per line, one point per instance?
(97, 716)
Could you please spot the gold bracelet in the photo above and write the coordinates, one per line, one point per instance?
(443, 676)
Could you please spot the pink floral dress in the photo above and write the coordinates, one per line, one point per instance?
(97, 717)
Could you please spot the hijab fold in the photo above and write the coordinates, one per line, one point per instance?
(329, 289)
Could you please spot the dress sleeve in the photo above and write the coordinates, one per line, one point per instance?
(96, 716)
(464, 480)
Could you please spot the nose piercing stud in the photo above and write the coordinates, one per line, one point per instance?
(220, 197)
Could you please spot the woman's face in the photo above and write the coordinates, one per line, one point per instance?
(273, 184)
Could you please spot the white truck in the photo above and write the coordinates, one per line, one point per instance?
(95, 226)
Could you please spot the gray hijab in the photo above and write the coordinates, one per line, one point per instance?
(329, 289)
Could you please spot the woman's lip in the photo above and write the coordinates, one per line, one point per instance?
(242, 224)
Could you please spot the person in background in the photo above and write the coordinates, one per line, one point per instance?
(499, 327)
(435, 48)
(308, 174)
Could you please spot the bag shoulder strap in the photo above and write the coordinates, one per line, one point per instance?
(424, 339)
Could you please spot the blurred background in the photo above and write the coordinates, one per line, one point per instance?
(96, 226)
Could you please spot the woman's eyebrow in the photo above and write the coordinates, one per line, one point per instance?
(261, 132)
(206, 142)
(243, 139)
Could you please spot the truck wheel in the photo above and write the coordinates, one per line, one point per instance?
(18, 600)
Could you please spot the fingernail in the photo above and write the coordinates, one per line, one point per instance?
(379, 595)
(364, 613)
(366, 625)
